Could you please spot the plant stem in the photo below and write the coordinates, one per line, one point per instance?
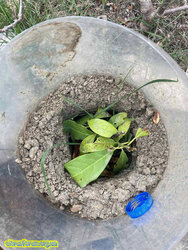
(131, 141)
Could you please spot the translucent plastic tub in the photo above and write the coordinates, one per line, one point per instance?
(36, 62)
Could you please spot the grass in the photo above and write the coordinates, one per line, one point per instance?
(166, 32)
(38, 11)
(173, 40)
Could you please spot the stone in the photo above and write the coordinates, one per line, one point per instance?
(27, 145)
(33, 152)
(76, 208)
(149, 112)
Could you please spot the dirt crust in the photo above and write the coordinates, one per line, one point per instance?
(107, 197)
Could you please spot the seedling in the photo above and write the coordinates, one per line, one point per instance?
(101, 136)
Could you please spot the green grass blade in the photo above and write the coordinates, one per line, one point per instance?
(76, 105)
(121, 85)
(127, 95)
(43, 160)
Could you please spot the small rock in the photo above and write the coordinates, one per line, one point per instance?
(146, 171)
(49, 176)
(157, 149)
(26, 159)
(153, 171)
(149, 112)
(55, 193)
(104, 17)
(36, 169)
(31, 179)
(33, 152)
(142, 105)
(27, 145)
(18, 161)
(76, 208)
(133, 179)
(30, 173)
(121, 194)
(159, 171)
(141, 160)
(21, 140)
(35, 142)
(110, 80)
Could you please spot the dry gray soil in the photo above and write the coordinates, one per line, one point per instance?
(107, 197)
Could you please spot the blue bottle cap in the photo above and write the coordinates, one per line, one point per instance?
(139, 205)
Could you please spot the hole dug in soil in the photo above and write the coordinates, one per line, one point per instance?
(111, 168)
(106, 197)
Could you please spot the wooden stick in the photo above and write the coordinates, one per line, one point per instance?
(6, 28)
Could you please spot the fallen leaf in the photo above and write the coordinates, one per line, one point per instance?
(156, 117)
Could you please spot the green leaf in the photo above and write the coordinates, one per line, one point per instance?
(93, 147)
(141, 132)
(88, 139)
(124, 127)
(118, 119)
(129, 137)
(100, 144)
(77, 131)
(83, 119)
(109, 142)
(102, 127)
(88, 167)
(100, 114)
(121, 163)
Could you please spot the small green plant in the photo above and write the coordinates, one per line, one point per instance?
(101, 137)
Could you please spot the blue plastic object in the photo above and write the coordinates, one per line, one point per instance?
(139, 205)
